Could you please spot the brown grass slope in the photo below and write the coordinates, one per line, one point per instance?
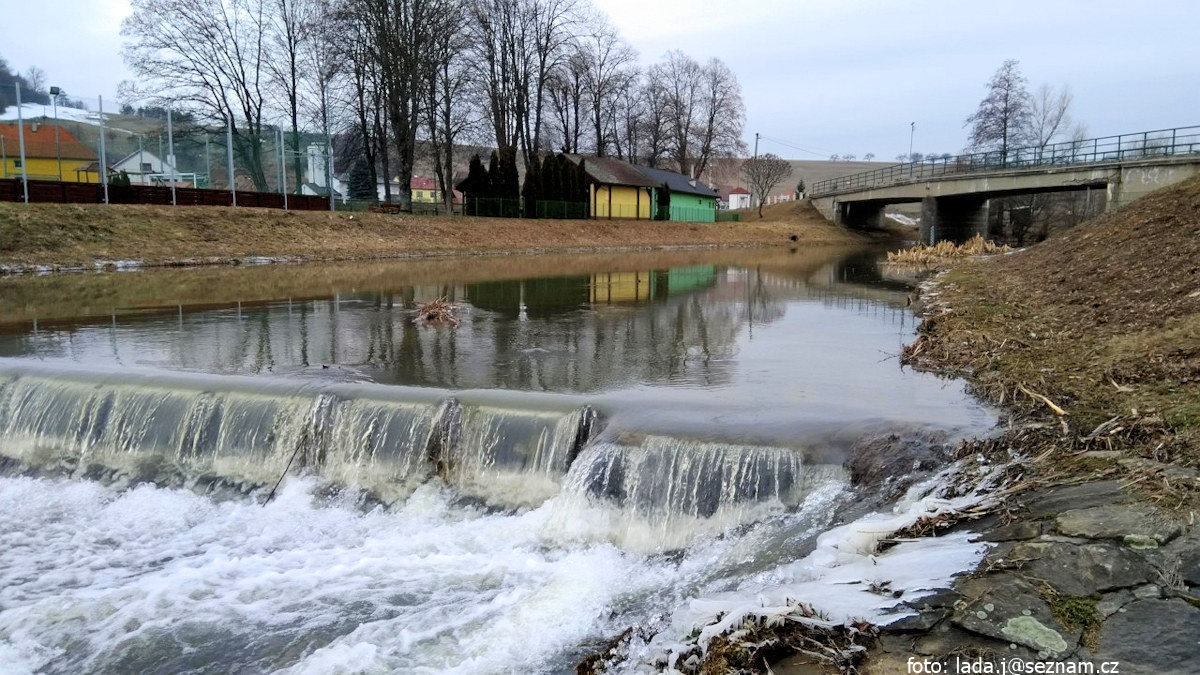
(1104, 321)
(72, 234)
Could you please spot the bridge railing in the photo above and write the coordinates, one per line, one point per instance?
(1125, 147)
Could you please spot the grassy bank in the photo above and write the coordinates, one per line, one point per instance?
(1096, 332)
(78, 234)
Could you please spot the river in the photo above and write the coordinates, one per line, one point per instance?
(601, 439)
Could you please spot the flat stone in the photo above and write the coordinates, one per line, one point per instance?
(1008, 608)
(1117, 521)
(920, 622)
(1053, 501)
(1147, 592)
(1172, 472)
(1016, 531)
(1152, 636)
(1084, 569)
(1112, 603)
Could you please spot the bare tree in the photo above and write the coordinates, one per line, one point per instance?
(35, 79)
(606, 60)
(290, 25)
(1003, 115)
(208, 55)
(1049, 115)
(567, 101)
(723, 116)
(762, 174)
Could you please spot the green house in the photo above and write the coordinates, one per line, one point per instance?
(690, 200)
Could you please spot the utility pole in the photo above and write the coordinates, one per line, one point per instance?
(21, 142)
(328, 143)
(54, 92)
(912, 130)
(282, 168)
(756, 145)
(103, 158)
(229, 158)
(171, 155)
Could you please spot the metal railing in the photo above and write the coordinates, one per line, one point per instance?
(1126, 147)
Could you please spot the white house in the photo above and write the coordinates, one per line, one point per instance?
(315, 182)
(739, 198)
(141, 166)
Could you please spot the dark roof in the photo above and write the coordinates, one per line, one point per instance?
(677, 182)
(611, 171)
(320, 190)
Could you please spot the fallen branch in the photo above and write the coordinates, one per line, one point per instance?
(1033, 394)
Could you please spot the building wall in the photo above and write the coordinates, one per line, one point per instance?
(46, 168)
(693, 208)
(618, 201)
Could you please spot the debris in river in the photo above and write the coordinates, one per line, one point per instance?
(437, 312)
(923, 254)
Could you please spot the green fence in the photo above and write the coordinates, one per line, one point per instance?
(729, 217)
(692, 214)
(492, 207)
(561, 210)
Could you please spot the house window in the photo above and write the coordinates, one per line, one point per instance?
(146, 168)
(17, 163)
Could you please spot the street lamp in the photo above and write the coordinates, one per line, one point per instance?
(54, 92)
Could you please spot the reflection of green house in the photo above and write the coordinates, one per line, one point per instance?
(684, 279)
(614, 287)
(690, 200)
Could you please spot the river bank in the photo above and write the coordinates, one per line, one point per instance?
(49, 237)
(1091, 344)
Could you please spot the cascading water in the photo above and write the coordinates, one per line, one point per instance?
(664, 492)
(206, 428)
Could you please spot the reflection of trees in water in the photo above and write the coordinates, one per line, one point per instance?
(578, 333)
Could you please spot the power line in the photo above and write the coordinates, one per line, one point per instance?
(818, 153)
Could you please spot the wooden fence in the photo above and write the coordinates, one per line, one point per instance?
(55, 192)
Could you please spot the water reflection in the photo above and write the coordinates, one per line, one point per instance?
(586, 332)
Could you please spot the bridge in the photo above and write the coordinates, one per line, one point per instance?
(954, 191)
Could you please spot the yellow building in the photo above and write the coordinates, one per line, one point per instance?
(46, 158)
(616, 189)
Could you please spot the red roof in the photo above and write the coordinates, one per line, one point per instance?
(40, 143)
(422, 183)
(739, 191)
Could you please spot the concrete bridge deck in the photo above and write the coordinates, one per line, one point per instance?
(954, 192)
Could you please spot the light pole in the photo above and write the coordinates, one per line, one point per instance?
(54, 92)
(912, 130)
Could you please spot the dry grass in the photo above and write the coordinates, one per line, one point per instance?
(1097, 332)
(945, 250)
(78, 234)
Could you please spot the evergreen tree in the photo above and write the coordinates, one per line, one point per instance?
(476, 183)
(664, 203)
(532, 190)
(359, 184)
(493, 175)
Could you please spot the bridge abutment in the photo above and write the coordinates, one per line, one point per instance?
(955, 219)
(860, 215)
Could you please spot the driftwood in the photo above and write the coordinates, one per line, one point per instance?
(440, 311)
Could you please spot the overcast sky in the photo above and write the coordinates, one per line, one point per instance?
(829, 77)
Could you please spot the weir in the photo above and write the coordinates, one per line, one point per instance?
(198, 429)
(505, 450)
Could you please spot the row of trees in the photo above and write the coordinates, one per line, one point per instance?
(404, 81)
(34, 88)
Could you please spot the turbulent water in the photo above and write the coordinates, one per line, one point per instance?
(610, 462)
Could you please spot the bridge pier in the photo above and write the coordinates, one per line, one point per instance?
(955, 219)
(859, 215)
